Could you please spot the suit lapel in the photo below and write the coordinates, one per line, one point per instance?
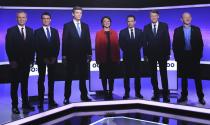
(128, 34)
(75, 29)
(19, 33)
(182, 35)
(43, 34)
(158, 30)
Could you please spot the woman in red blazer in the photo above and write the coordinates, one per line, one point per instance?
(107, 54)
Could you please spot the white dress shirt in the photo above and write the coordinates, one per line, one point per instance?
(76, 22)
(45, 30)
(24, 30)
(129, 29)
(157, 23)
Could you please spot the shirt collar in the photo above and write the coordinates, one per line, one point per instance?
(75, 22)
(157, 23)
(21, 26)
(131, 28)
(186, 27)
(46, 27)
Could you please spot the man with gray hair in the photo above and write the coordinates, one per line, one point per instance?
(20, 52)
(188, 51)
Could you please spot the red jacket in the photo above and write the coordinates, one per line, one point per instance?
(101, 47)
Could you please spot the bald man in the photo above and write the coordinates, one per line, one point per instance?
(188, 51)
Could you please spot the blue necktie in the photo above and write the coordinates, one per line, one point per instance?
(48, 34)
(78, 30)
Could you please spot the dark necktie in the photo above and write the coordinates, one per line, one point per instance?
(48, 34)
(132, 34)
(22, 33)
(155, 30)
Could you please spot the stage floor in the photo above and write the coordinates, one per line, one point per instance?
(5, 101)
(120, 117)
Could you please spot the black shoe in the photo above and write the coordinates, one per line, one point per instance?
(202, 101)
(66, 102)
(182, 99)
(15, 110)
(28, 107)
(110, 95)
(139, 96)
(156, 98)
(40, 106)
(166, 99)
(85, 98)
(126, 96)
(53, 104)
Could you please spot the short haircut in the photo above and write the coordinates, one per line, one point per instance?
(76, 8)
(105, 17)
(21, 11)
(131, 16)
(46, 13)
(185, 13)
(155, 11)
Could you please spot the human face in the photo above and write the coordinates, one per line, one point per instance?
(77, 14)
(131, 22)
(154, 17)
(186, 18)
(46, 20)
(21, 18)
(106, 23)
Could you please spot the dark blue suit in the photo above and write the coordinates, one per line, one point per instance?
(157, 49)
(22, 52)
(46, 49)
(131, 57)
(76, 49)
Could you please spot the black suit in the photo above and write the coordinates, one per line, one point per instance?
(46, 49)
(157, 49)
(131, 57)
(188, 61)
(76, 49)
(22, 52)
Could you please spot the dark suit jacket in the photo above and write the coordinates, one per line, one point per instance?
(74, 47)
(179, 43)
(45, 48)
(131, 48)
(158, 45)
(18, 49)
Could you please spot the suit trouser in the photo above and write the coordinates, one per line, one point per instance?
(20, 74)
(190, 66)
(162, 61)
(132, 69)
(41, 79)
(81, 69)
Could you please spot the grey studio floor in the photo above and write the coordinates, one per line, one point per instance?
(146, 90)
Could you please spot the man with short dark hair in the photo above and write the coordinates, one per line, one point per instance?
(20, 52)
(131, 41)
(76, 52)
(157, 49)
(47, 49)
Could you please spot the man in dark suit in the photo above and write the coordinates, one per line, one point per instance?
(188, 51)
(76, 52)
(157, 49)
(20, 52)
(131, 41)
(47, 48)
